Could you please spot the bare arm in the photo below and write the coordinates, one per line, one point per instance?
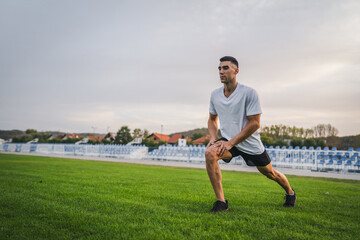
(213, 128)
(252, 125)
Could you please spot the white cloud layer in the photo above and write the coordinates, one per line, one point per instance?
(73, 65)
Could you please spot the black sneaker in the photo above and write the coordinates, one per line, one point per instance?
(220, 206)
(290, 200)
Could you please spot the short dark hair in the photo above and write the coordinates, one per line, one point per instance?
(231, 59)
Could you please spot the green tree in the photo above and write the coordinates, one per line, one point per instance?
(22, 139)
(55, 140)
(90, 141)
(105, 141)
(150, 143)
(145, 133)
(296, 142)
(70, 140)
(137, 132)
(123, 136)
(266, 139)
(197, 135)
(320, 142)
(30, 131)
(280, 143)
(42, 136)
(309, 142)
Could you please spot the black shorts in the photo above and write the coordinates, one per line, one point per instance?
(262, 159)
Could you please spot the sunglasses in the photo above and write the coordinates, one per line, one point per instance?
(224, 67)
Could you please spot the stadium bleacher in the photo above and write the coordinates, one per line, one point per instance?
(99, 150)
(292, 157)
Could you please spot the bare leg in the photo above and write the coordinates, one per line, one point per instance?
(277, 176)
(214, 172)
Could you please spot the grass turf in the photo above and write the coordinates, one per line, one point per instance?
(53, 198)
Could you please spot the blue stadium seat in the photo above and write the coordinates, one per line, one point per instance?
(339, 163)
(357, 164)
(348, 163)
(330, 163)
(321, 162)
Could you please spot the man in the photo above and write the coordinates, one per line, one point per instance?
(238, 109)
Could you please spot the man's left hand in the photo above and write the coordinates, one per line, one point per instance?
(222, 147)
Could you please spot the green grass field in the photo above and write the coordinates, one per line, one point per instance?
(53, 198)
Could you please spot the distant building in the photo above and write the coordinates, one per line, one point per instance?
(86, 139)
(174, 138)
(35, 140)
(51, 137)
(137, 141)
(156, 137)
(179, 139)
(93, 138)
(181, 142)
(202, 140)
(2, 141)
(68, 135)
(110, 136)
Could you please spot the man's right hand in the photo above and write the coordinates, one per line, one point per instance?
(212, 142)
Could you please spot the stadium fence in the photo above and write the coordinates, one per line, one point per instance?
(298, 158)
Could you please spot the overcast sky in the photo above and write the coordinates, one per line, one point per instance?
(78, 65)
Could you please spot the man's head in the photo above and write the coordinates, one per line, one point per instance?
(228, 69)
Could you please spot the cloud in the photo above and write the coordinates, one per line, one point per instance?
(72, 65)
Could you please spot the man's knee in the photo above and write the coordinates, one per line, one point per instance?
(210, 155)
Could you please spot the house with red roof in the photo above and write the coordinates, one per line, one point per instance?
(156, 137)
(174, 138)
(68, 135)
(201, 141)
(93, 138)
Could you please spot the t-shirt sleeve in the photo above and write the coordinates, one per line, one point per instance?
(253, 103)
(212, 109)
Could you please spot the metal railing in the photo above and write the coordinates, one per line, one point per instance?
(314, 159)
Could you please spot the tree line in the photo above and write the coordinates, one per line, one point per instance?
(274, 135)
(283, 135)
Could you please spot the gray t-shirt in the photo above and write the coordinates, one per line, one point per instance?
(232, 112)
